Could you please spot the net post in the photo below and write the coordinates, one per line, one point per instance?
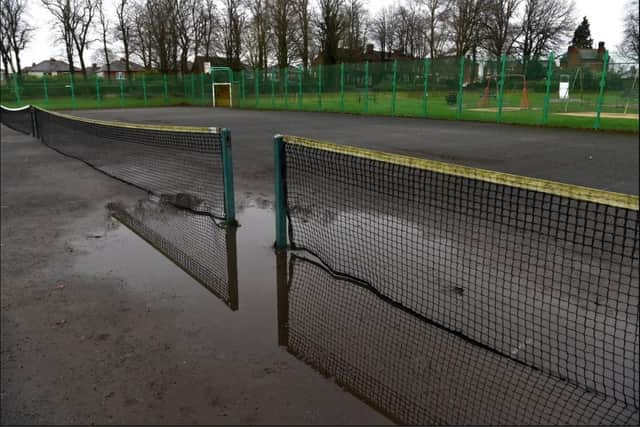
(603, 83)
(281, 219)
(503, 63)
(319, 87)
(34, 125)
(282, 297)
(165, 89)
(394, 86)
(144, 90)
(300, 71)
(547, 94)
(232, 265)
(121, 92)
(366, 87)
(425, 83)
(46, 91)
(227, 172)
(342, 87)
(460, 89)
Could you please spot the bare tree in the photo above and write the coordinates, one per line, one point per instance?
(104, 32)
(303, 29)
(64, 13)
(83, 17)
(258, 32)
(210, 25)
(159, 21)
(5, 50)
(465, 19)
(355, 37)
(436, 26)
(382, 30)
(631, 42)
(15, 28)
(281, 30)
(330, 28)
(499, 30)
(546, 24)
(232, 25)
(123, 30)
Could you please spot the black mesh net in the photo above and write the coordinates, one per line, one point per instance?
(416, 372)
(19, 119)
(163, 162)
(545, 281)
(195, 242)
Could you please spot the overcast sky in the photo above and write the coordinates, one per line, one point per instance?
(605, 16)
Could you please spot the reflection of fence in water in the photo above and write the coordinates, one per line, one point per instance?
(194, 241)
(413, 371)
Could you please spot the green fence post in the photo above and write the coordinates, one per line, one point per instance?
(300, 71)
(503, 63)
(547, 94)
(342, 87)
(16, 89)
(144, 90)
(286, 88)
(460, 90)
(193, 89)
(73, 91)
(394, 86)
(243, 93)
(227, 171)
(280, 211)
(98, 97)
(256, 74)
(366, 87)
(165, 89)
(603, 83)
(273, 91)
(425, 84)
(319, 87)
(46, 90)
(121, 92)
(202, 88)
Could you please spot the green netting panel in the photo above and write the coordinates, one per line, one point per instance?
(620, 100)
(355, 90)
(380, 90)
(443, 87)
(410, 88)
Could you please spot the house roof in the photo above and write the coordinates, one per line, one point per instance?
(49, 66)
(120, 65)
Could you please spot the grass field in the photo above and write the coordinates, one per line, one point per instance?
(578, 112)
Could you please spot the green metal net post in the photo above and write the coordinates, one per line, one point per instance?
(16, 88)
(46, 90)
(286, 88)
(300, 71)
(603, 83)
(165, 89)
(319, 87)
(425, 83)
(394, 87)
(256, 75)
(227, 171)
(278, 167)
(460, 90)
(547, 94)
(73, 91)
(366, 87)
(98, 96)
(144, 90)
(342, 87)
(503, 63)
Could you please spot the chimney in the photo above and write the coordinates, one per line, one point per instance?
(369, 48)
(601, 48)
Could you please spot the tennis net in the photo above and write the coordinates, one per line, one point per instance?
(195, 242)
(414, 372)
(540, 273)
(18, 119)
(170, 161)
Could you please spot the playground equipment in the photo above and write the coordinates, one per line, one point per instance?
(486, 95)
(222, 92)
(633, 93)
(524, 99)
(571, 87)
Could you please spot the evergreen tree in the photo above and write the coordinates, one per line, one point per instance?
(582, 36)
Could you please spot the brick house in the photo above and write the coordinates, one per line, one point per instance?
(118, 70)
(589, 58)
(50, 67)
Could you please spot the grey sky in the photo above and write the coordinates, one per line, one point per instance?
(605, 16)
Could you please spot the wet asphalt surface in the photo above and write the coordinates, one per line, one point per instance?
(98, 327)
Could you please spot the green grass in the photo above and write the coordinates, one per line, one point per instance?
(408, 104)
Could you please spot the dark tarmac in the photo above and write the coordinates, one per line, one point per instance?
(98, 327)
